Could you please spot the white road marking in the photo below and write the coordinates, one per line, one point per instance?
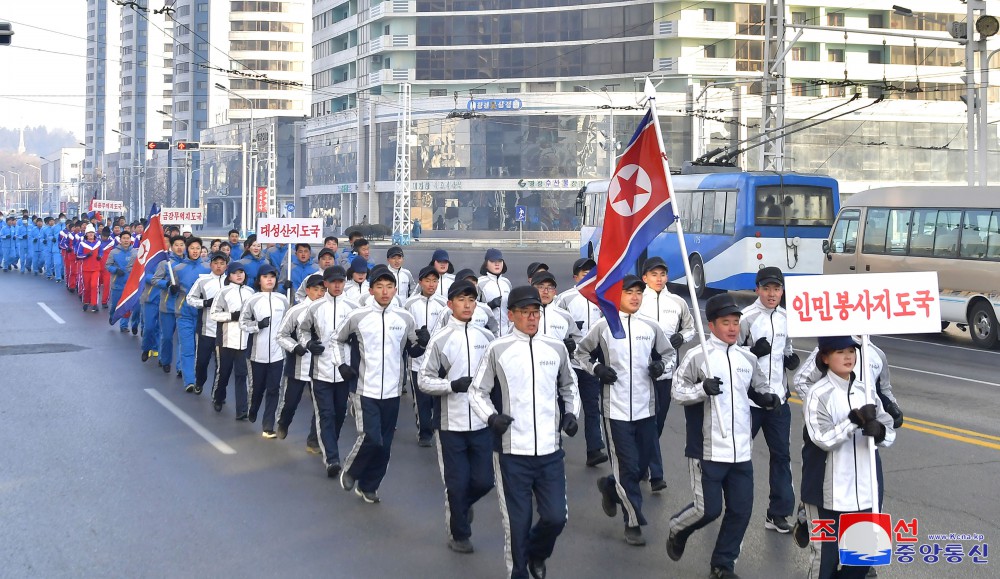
(192, 423)
(905, 369)
(51, 314)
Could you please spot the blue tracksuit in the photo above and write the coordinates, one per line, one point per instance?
(7, 244)
(119, 264)
(187, 321)
(37, 237)
(252, 266)
(277, 254)
(168, 311)
(21, 234)
(55, 255)
(150, 313)
(300, 271)
(235, 252)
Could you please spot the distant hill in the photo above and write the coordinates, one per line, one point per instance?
(37, 140)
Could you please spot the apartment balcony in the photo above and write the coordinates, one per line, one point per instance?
(342, 27)
(391, 41)
(349, 85)
(391, 8)
(695, 29)
(390, 76)
(695, 65)
(869, 71)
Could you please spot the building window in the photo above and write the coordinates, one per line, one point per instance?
(750, 56)
(835, 19)
(875, 56)
(876, 21)
(438, 92)
(799, 18)
(798, 53)
(710, 51)
(836, 55)
(709, 14)
(799, 89)
(478, 91)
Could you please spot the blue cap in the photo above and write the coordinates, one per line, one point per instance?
(440, 255)
(235, 267)
(266, 269)
(494, 254)
(831, 343)
(359, 265)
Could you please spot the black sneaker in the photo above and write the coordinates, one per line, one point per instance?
(217, 406)
(282, 432)
(269, 434)
(657, 485)
(346, 481)
(424, 442)
(872, 572)
(460, 545)
(314, 449)
(596, 457)
(333, 470)
(241, 416)
(179, 373)
(778, 524)
(198, 390)
(189, 388)
(370, 497)
(537, 568)
(722, 573)
(166, 369)
(633, 536)
(608, 498)
(253, 417)
(135, 331)
(123, 330)
(675, 547)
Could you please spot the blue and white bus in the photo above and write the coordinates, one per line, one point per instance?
(734, 224)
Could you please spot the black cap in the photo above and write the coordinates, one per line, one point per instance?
(219, 255)
(380, 272)
(770, 275)
(544, 276)
(359, 265)
(584, 263)
(315, 279)
(326, 251)
(721, 305)
(394, 251)
(251, 239)
(535, 266)
(831, 343)
(466, 274)
(426, 271)
(462, 287)
(653, 263)
(335, 273)
(266, 269)
(630, 281)
(523, 295)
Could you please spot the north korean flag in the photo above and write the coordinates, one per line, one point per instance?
(152, 250)
(637, 210)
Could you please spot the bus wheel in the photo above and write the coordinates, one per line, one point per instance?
(698, 275)
(983, 325)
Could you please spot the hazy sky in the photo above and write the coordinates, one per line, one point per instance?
(37, 85)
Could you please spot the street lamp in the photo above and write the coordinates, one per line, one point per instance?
(39, 169)
(248, 205)
(611, 143)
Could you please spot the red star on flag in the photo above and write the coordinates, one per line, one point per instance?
(629, 188)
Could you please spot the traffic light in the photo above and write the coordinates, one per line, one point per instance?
(6, 32)
(151, 145)
(188, 146)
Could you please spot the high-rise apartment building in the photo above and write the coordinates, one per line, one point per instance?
(101, 106)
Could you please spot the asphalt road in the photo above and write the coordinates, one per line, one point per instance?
(98, 477)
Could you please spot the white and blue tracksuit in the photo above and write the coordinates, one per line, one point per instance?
(200, 297)
(296, 369)
(528, 378)
(231, 343)
(492, 286)
(465, 445)
(425, 311)
(720, 467)
(585, 314)
(266, 356)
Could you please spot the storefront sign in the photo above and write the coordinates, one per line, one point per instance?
(182, 216)
(501, 104)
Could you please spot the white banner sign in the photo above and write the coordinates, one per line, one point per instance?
(854, 304)
(107, 205)
(182, 216)
(271, 230)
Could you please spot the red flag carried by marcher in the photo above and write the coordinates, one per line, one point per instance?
(152, 250)
(637, 210)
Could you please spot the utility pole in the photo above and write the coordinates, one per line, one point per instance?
(401, 197)
(772, 157)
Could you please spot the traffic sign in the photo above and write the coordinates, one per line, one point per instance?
(290, 207)
(188, 146)
(520, 213)
(157, 145)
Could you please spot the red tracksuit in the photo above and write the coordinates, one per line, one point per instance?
(89, 262)
(108, 245)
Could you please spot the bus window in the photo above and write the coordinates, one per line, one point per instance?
(975, 229)
(993, 239)
(876, 226)
(696, 207)
(708, 216)
(730, 227)
(799, 205)
(845, 234)
(899, 231)
(946, 233)
(922, 232)
(719, 224)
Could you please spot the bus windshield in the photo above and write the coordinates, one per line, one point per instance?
(801, 206)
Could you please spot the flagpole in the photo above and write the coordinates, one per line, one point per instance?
(651, 98)
(869, 382)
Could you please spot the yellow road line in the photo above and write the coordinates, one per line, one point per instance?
(909, 424)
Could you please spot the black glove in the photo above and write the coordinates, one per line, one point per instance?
(569, 425)
(286, 285)
(767, 401)
(893, 410)
(299, 350)
(347, 372)
(462, 384)
(761, 348)
(875, 429)
(499, 423)
(495, 302)
(315, 348)
(792, 361)
(676, 340)
(423, 336)
(264, 323)
(236, 316)
(656, 369)
(712, 386)
(208, 303)
(570, 345)
(861, 416)
(605, 374)
(174, 288)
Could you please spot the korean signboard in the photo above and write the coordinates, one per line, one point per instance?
(182, 216)
(298, 230)
(107, 205)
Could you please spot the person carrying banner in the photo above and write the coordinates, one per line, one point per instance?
(88, 254)
(465, 444)
(764, 331)
(627, 368)
(526, 392)
(298, 363)
(720, 466)
(261, 317)
(118, 264)
(425, 306)
(150, 300)
(302, 267)
(838, 424)
(231, 340)
(494, 287)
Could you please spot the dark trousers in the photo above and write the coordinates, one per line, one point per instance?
(825, 555)
(231, 361)
(662, 390)
(631, 446)
(466, 461)
(423, 406)
(777, 426)
(369, 459)
(713, 483)
(519, 478)
(265, 386)
(288, 403)
(330, 409)
(590, 397)
(150, 326)
(206, 351)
